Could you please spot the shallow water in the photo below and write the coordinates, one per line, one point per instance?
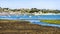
(34, 19)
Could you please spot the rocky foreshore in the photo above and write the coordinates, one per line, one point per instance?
(25, 27)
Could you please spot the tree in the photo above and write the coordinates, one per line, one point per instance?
(33, 10)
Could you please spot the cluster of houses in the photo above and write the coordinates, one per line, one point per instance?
(7, 11)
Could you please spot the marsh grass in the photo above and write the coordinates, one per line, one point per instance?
(51, 21)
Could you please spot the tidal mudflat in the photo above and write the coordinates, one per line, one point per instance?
(29, 24)
(25, 27)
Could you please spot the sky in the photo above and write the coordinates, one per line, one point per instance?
(41, 4)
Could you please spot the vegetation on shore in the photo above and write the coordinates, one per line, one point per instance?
(12, 21)
(51, 21)
(32, 10)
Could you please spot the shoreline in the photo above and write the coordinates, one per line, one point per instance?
(28, 14)
(38, 23)
(7, 21)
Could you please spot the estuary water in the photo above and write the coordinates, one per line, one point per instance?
(34, 19)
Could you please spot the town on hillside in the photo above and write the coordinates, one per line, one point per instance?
(5, 11)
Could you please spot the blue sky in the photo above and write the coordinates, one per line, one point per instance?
(42, 4)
